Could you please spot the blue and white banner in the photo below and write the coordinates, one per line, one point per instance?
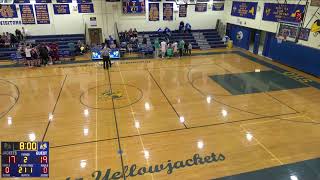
(244, 9)
(42, 14)
(168, 11)
(283, 12)
(64, 1)
(85, 8)
(183, 10)
(4, 23)
(21, 1)
(217, 6)
(61, 9)
(133, 7)
(201, 7)
(84, 1)
(153, 11)
(27, 14)
(8, 11)
(43, 1)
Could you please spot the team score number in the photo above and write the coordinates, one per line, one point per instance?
(29, 146)
(25, 170)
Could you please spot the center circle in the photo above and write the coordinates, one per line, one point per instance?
(101, 97)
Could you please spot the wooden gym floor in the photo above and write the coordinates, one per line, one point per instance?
(164, 116)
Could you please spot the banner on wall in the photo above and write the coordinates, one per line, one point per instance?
(244, 9)
(3, 23)
(183, 10)
(8, 11)
(85, 8)
(61, 9)
(43, 1)
(283, 12)
(133, 7)
(42, 14)
(153, 11)
(84, 1)
(64, 1)
(21, 1)
(201, 7)
(217, 6)
(168, 11)
(27, 14)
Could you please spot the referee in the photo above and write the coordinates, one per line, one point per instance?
(106, 57)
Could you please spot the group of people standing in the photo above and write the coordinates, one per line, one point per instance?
(169, 50)
(11, 40)
(42, 54)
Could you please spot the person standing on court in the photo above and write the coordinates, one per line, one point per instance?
(106, 57)
(163, 49)
(181, 47)
(156, 47)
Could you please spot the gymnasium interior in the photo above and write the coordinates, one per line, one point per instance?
(160, 89)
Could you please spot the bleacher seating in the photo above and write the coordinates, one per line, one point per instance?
(61, 40)
(213, 38)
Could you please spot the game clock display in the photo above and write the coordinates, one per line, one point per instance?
(24, 159)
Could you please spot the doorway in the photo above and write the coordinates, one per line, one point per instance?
(95, 35)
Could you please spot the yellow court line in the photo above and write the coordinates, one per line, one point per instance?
(132, 112)
(264, 147)
(266, 121)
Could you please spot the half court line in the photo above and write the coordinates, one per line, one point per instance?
(117, 129)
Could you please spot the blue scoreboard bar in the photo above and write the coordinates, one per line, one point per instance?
(24, 159)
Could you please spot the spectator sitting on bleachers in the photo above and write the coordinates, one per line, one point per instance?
(144, 40)
(167, 32)
(130, 33)
(160, 31)
(188, 28)
(181, 26)
(135, 32)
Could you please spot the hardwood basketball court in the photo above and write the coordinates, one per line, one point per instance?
(201, 117)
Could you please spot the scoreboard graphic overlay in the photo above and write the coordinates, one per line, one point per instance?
(24, 159)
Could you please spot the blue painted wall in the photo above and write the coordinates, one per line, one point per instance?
(245, 41)
(297, 56)
(300, 57)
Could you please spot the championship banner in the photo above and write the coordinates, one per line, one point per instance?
(64, 1)
(133, 7)
(183, 10)
(244, 9)
(61, 9)
(283, 12)
(85, 8)
(201, 7)
(27, 14)
(21, 1)
(217, 6)
(168, 11)
(84, 1)
(42, 14)
(43, 1)
(8, 11)
(154, 12)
